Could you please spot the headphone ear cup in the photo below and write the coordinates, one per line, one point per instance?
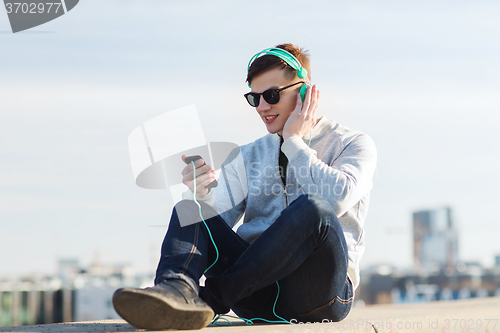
(303, 91)
(302, 73)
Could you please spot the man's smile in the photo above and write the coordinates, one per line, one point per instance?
(270, 119)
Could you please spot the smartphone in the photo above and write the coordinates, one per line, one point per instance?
(193, 158)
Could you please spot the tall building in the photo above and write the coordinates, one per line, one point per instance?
(435, 241)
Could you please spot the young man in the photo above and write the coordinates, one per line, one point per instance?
(304, 191)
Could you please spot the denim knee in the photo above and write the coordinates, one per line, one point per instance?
(188, 212)
(190, 205)
(316, 205)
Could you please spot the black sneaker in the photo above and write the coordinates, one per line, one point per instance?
(172, 304)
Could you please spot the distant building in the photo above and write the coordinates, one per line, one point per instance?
(383, 284)
(34, 302)
(497, 260)
(73, 294)
(435, 241)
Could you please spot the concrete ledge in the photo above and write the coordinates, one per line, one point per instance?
(473, 315)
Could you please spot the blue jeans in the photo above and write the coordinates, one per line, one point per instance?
(304, 250)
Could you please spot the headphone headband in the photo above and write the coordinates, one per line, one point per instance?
(285, 56)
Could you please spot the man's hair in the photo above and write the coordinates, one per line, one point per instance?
(268, 62)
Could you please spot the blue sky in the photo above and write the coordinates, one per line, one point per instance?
(420, 77)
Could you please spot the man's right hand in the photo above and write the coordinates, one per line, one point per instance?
(204, 176)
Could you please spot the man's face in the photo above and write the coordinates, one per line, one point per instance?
(275, 115)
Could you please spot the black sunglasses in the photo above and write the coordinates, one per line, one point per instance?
(271, 96)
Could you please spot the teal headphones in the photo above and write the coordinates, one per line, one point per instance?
(291, 61)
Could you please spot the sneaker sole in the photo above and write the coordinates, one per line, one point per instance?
(145, 310)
